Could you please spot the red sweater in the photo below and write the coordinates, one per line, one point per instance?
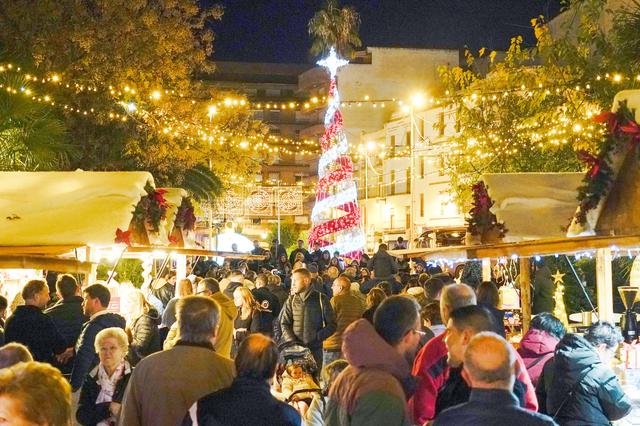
(432, 371)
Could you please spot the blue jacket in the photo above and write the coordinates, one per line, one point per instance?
(86, 357)
(247, 402)
(29, 326)
(488, 407)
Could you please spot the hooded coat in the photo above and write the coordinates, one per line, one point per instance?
(536, 348)
(374, 388)
(597, 396)
(145, 337)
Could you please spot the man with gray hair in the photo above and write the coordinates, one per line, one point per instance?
(489, 367)
(13, 353)
(431, 363)
(164, 385)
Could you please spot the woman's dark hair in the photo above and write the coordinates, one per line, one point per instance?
(547, 322)
(487, 294)
(431, 312)
(257, 357)
(386, 287)
(433, 288)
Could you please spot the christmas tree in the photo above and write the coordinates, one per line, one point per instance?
(336, 215)
(560, 310)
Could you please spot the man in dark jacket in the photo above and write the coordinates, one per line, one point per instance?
(29, 326)
(307, 317)
(277, 249)
(248, 401)
(489, 366)
(382, 264)
(582, 389)
(67, 314)
(264, 297)
(236, 279)
(299, 249)
(96, 300)
(4, 303)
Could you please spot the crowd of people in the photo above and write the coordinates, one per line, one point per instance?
(305, 338)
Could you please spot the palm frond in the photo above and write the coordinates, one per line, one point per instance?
(202, 183)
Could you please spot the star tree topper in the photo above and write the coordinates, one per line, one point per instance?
(557, 277)
(332, 63)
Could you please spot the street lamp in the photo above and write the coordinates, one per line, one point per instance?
(417, 101)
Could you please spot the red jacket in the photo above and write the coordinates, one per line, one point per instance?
(432, 371)
(536, 348)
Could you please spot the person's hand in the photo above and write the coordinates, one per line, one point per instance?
(114, 408)
(65, 356)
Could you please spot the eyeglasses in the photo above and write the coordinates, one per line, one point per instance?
(418, 332)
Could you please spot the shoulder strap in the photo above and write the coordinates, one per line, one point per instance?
(536, 361)
(324, 321)
(571, 393)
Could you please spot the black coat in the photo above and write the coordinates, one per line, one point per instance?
(247, 402)
(383, 265)
(89, 413)
(302, 319)
(31, 327)
(145, 337)
(86, 357)
(292, 256)
(597, 396)
(543, 291)
(267, 300)
(164, 293)
(68, 317)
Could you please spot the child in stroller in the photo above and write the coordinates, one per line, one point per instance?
(295, 383)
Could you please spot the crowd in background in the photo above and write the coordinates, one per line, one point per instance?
(307, 337)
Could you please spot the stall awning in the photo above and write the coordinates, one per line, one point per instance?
(67, 208)
(534, 205)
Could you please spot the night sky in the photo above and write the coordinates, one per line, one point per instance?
(276, 30)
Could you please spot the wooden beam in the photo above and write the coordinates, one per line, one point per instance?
(38, 250)
(42, 262)
(551, 246)
(525, 292)
(194, 252)
(604, 284)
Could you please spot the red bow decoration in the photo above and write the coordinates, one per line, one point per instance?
(123, 237)
(590, 160)
(610, 118)
(173, 240)
(158, 196)
(631, 128)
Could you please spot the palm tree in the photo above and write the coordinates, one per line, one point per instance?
(31, 138)
(336, 27)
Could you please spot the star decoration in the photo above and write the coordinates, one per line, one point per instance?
(557, 277)
(332, 62)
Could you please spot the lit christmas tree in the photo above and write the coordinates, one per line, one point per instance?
(560, 310)
(336, 215)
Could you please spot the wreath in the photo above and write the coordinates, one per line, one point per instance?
(151, 210)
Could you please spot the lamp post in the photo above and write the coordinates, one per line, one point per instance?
(417, 101)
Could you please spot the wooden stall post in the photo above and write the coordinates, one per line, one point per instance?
(181, 266)
(525, 292)
(92, 276)
(604, 284)
(486, 269)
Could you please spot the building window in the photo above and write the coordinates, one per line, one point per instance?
(274, 177)
(447, 207)
(441, 165)
(422, 167)
(259, 178)
(261, 93)
(458, 125)
(299, 178)
(392, 144)
(408, 138)
(407, 217)
(274, 116)
(422, 136)
(408, 174)
(286, 92)
(441, 125)
(392, 184)
(392, 215)
(422, 204)
(380, 186)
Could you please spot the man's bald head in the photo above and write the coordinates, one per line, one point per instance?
(455, 296)
(489, 362)
(257, 357)
(341, 285)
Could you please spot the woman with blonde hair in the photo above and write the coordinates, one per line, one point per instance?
(142, 326)
(251, 317)
(103, 389)
(374, 299)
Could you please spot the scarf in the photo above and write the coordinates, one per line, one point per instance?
(107, 388)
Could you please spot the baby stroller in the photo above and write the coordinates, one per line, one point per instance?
(295, 377)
